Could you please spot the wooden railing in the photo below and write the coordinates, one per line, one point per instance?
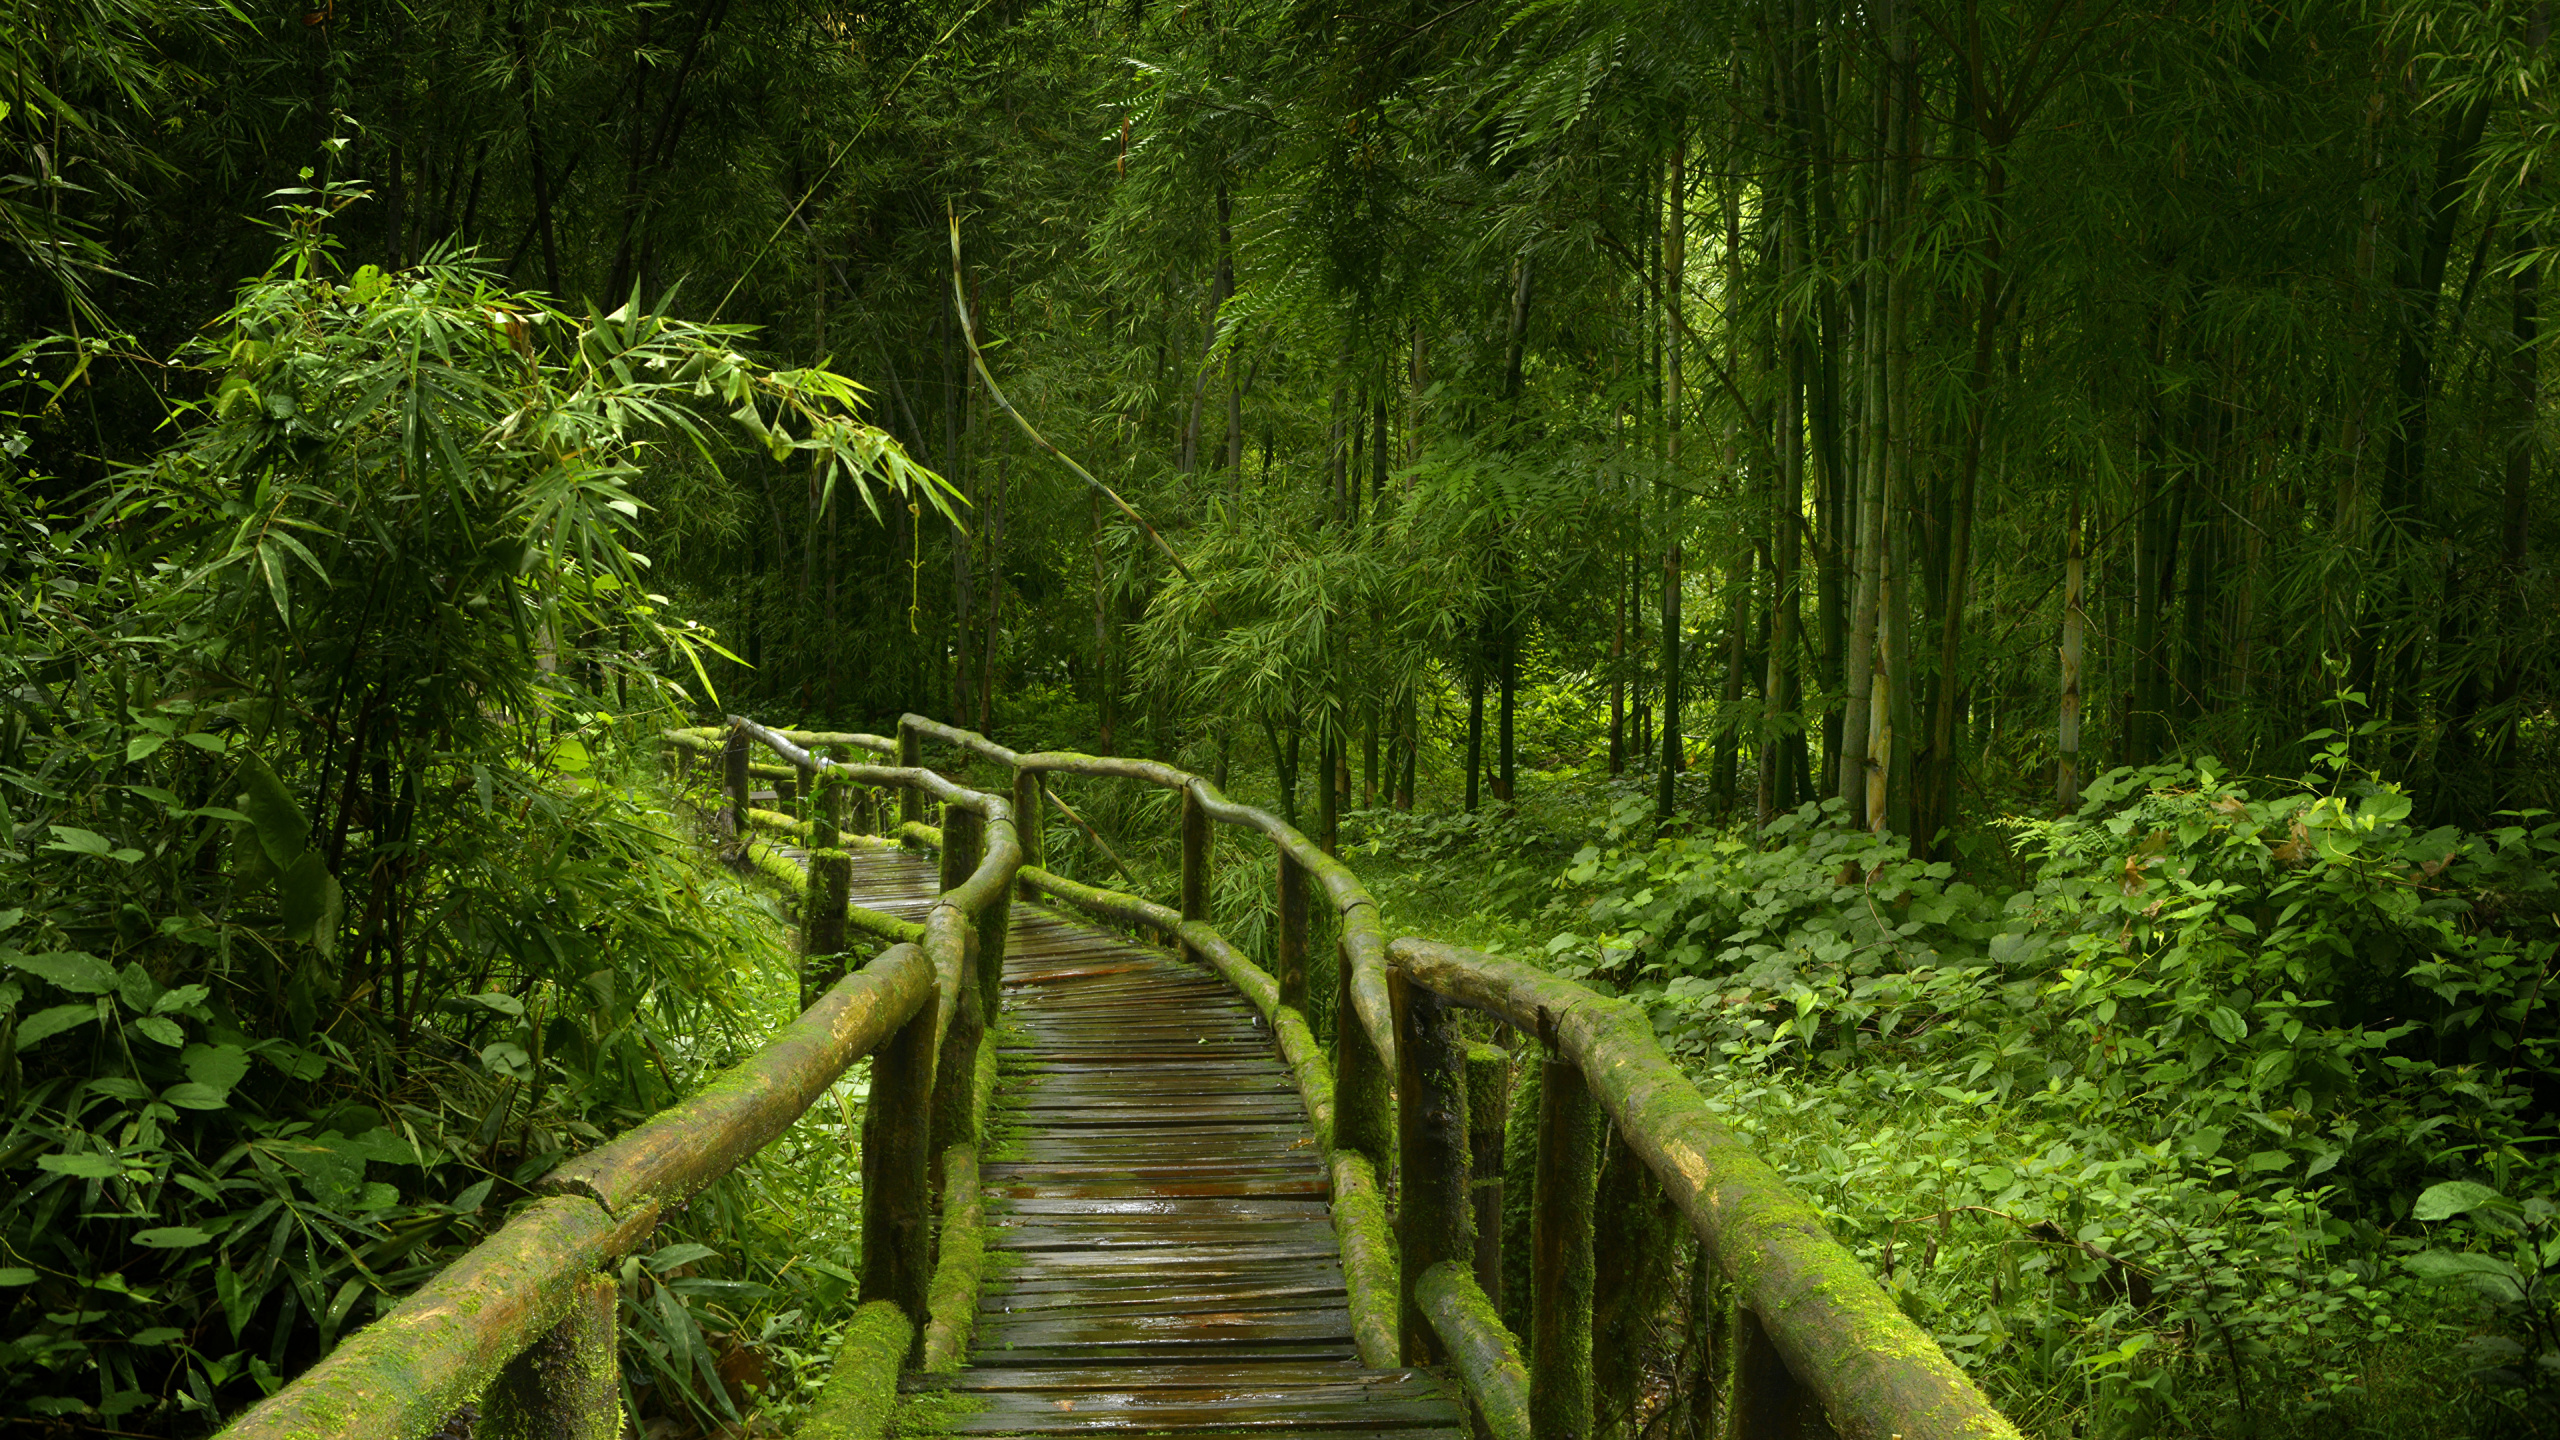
(523, 1324)
(1809, 1344)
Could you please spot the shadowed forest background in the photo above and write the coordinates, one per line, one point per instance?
(1988, 560)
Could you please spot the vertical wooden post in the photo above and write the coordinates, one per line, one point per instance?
(1632, 1245)
(1291, 956)
(1488, 1108)
(1766, 1403)
(955, 1081)
(733, 761)
(1434, 1220)
(962, 842)
(897, 1206)
(910, 799)
(826, 811)
(1560, 1274)
(1361, 1085)
(822, 922)
(1195, 866)
(786, 796)
(568, 1384)
(964, 845)
(1028, 828)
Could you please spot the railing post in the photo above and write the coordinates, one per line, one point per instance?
(826, 811)
(734, 766)
(955, 1082)
(1434, 1221)
(786, 796)
(1361, 1085)
(1560, 1254)
(964, 845)
(1488, 1111)
(568, 1384)
(910, 799)
(1028, 828)
(822, 922)
(1195, 866)
(897, 1206)
(1291, 956)
(1765, 1402)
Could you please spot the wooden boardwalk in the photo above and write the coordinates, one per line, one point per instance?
(1161, 1256)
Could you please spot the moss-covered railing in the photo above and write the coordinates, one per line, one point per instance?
(1809, 1346)
(523, 1324)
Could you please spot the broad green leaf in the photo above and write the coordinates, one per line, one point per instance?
(73, 970)
(142, 747)
(2452, 1197)
(282, 831)
(16, 1275)
(171, 1237)
(216, 1067)
(87, 1165)
(192, 1096)
(45, 1024)
(160, 1028)
(312, 901)
(77, 841)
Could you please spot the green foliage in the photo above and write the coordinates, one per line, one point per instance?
(330, 918)
(2153, 1124)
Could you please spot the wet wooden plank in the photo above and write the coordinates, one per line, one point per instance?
(1327, 1378)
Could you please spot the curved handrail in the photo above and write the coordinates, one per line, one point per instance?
(1363, 940)
(1870, 1368)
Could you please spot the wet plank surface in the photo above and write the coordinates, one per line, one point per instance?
(1162, 1255)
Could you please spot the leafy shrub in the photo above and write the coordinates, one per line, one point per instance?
(2158, 1114)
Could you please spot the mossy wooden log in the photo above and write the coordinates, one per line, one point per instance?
(1027, 824)
(877, 744)
(825, 822)
(955, 1079)
(824, 908)
(1195, 869)
(1363, 1089)
(1568, 1160)
(399, 1377)
(568, 1384)
(1764, 1401)
(957, 1266)
(1488, 1108)
(768, 863)
(910, 757)
(1368, 1258)
(1435, 1219)
(1486, 1357)
(897, 1206)
(1875, 1372)
(861, 1391)
(692, 1143)
(775, 822)
(1289, 956)
(1115, 906)
(733, 759)
(1309, 1066)
(1634, 1249)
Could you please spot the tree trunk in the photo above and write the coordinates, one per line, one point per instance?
(2066, 774)
(1675, 248)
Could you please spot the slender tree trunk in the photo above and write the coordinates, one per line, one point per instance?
(1675, 249)
(1475, 720)
(2066, 779)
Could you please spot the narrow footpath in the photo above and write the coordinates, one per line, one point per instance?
(1161, 1260)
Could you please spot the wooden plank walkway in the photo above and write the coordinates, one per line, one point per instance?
(1162, 1256)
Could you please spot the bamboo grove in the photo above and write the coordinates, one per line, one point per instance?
(1922, 405)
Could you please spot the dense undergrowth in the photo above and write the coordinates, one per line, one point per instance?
(338, 900)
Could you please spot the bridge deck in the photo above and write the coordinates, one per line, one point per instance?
(1161, 1256)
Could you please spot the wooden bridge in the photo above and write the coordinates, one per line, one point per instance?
(1113, 1182)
